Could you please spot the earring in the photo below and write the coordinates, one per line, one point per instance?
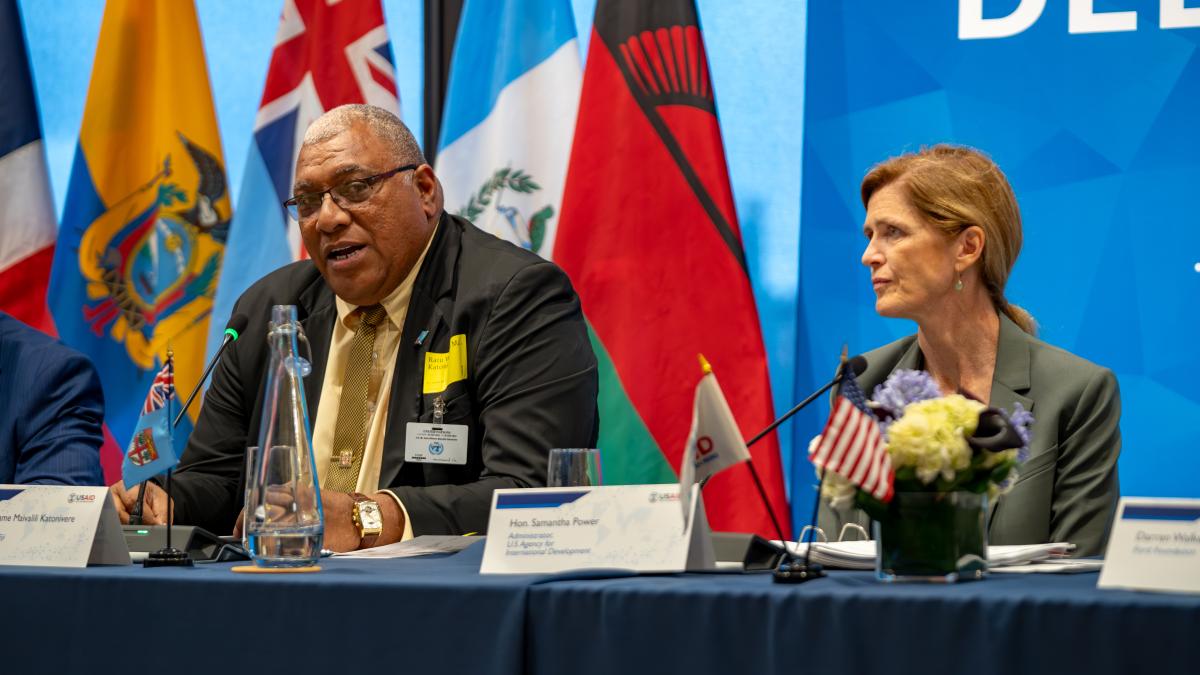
(958, 286)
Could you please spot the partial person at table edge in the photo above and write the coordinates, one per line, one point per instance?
(943, 232)
(384, 253)
(51, 410)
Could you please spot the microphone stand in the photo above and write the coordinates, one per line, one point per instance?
(169, 556)
(790, 571)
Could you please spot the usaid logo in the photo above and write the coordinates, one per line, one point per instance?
(436, 448)
(77, 499)
(1082, 17)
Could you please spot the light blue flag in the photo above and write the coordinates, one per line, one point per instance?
(152, 449)
(513, 95)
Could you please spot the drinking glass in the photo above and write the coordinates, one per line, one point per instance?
(252, 458)
(574, 467)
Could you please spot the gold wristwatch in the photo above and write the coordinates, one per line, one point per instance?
(367, 518)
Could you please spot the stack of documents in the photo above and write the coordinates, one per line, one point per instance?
(860, 555)
(427, 544)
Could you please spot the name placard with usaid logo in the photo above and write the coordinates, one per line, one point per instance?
(59, 526)
(1154, 546)
(631, 527)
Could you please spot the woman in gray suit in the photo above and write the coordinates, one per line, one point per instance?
(943, 231)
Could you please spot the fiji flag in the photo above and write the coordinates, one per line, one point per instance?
(326, 54)
(510, 117)
(152, 449)
(147, 210)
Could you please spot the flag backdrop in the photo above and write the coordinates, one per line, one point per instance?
(147, 211)
(27, 226)
(510, 116)
(326, 54)
(650, 239)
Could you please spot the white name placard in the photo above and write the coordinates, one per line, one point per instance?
(1154, 546)
(632, 527)
(59, 526)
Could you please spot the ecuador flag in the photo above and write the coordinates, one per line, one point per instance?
(147, 209)
(650, 238)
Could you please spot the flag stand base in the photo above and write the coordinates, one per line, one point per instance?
(168, 557)
(797, 572)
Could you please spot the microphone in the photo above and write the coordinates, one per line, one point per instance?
(858, 365)
(233, 330)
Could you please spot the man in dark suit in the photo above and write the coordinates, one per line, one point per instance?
(51, 410)
(459, 327)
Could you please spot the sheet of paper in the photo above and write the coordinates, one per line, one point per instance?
(1068, 566)
(860, 555)
(428, 544)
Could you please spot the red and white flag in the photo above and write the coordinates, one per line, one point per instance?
(714, 443)
(852, 445)
(28, 227)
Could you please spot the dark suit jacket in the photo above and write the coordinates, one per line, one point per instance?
(531, 382)
(1067, 490)
(51, 410)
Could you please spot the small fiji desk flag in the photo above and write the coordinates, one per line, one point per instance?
(152, 449)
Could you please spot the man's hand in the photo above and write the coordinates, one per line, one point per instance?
(154, 509)
(341, 534)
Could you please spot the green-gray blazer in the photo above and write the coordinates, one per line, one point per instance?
(1067, 489)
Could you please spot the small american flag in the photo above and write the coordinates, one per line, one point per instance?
(852, 445)
(162, 389)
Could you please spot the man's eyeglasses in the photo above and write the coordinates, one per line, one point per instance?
(305, 206)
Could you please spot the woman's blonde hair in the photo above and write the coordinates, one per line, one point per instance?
(955, 187)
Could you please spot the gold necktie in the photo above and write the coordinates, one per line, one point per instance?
(350, 431)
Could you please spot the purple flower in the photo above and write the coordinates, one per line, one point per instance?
(903, 387)
(1022, 419)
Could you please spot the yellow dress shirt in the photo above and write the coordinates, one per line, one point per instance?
(383, 364)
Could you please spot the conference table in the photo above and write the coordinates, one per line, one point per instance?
(439, 615)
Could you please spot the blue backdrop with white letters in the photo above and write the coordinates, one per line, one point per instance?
(1095, 118)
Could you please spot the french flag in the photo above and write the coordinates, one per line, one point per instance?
(27, 224)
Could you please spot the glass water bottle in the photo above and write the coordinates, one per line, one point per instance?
(284, 522)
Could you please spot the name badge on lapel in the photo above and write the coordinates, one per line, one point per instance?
(436, 443)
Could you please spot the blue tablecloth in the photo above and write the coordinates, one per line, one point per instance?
(407, 615)
(850, 623)
(439, 615)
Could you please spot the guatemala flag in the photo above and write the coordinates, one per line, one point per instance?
(510, 116)
(326, 54)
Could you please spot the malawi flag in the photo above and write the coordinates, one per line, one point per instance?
(650, 238)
